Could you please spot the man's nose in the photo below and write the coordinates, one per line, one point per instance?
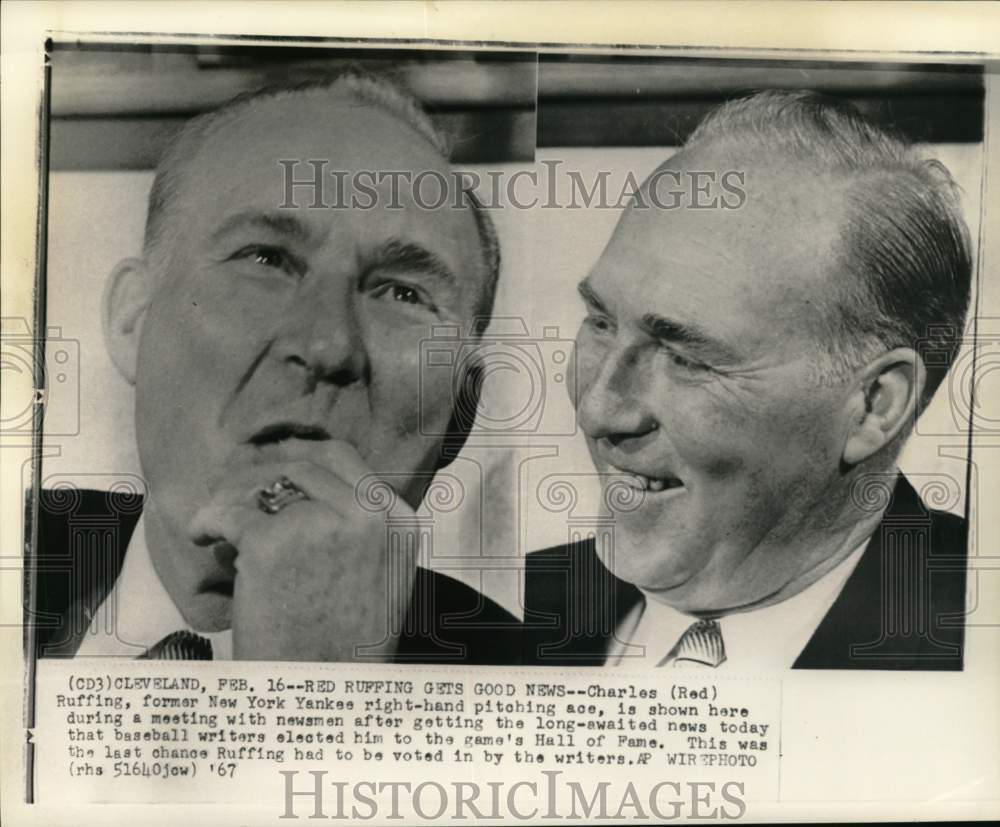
(323, 338)
(612, 403)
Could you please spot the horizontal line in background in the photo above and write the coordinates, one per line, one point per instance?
(193, 89)
(476, 137)
(492, 136)
(171, 83)
(922, 118)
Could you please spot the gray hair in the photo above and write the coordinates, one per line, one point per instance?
(365, 88)
(904, 257)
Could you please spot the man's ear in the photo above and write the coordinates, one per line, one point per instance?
(126, 297)
(884, 403)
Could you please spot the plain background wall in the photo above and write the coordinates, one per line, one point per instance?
(96, 218)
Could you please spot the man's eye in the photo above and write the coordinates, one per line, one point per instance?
(404, 294)
(687, 364)
(264, 256)
(269, 258)
(601, 324)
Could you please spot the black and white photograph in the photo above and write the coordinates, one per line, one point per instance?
(747, 466)
(522, 429)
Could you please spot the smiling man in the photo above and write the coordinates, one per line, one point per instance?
(282, 428)
(749, 376)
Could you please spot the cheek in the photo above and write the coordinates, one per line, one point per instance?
(768, 442)
(708, 449)
(204, 315)
(405, 397)
(715, 437)
(195, 347)
(189, 347)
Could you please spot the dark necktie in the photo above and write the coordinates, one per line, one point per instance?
(701, 643)
(179, 646)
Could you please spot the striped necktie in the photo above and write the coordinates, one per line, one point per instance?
(181, 645)
(701, 644)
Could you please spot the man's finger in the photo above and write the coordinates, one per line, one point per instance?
(244, 485)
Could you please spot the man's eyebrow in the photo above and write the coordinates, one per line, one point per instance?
(396, 256)
(589, 295)
(664, 329)
(275, 222)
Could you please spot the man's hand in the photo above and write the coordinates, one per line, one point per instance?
(316, 581)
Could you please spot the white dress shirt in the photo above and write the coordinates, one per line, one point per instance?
(138, 612)
(769, 638)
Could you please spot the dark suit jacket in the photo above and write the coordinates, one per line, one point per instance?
(82, 538)
(903, 607)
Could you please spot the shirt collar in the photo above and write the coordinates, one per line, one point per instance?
(139, 612)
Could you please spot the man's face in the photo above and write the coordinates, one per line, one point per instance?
(697, 378)
(270, 327)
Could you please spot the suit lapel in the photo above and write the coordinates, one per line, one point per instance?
(572, 606)
(82, 538)
(450, 622)
(853, 618)
(886, 616)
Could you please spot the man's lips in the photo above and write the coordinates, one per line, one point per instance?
(280, 431)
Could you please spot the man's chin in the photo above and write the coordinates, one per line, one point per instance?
(647, 564)
(211, 610)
